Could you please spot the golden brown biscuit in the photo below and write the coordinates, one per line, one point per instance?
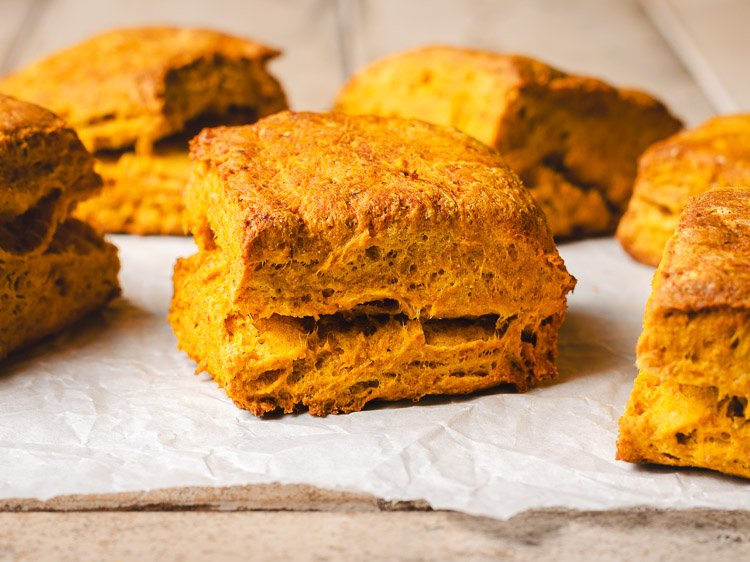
(689, 403)
(715, 154)
(347, 258)
(144, 84)
(53, 270)
(44, 172)
(43, 294)
(573, 140)
(133, 87)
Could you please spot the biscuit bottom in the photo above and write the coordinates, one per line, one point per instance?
(142, 194)
(43, 294)
(685, 425)
(339, 362)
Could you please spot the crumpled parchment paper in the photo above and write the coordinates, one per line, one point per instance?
(113, 406)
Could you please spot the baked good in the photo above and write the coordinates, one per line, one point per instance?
(143, 192)
(336, 363)
(44, 172)
(573, 140)
(128, 89)
(689, 403)
(716, 154)
(54, 269)
(140, 85)
(45, 293)
(347, 258)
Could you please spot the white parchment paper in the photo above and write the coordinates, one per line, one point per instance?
(113, 406)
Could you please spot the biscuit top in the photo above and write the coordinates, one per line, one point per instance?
(334, 175)
(715, 154)
(18, 118)
(125, 74)
(723, 140)
(707, 261)
(44, 172)
(454, 83)
(323, 213)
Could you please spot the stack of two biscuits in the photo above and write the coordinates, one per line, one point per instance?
(349, 258)
(55, 269)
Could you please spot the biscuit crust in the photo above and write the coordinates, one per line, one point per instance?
(556, 130)
(344, 259)
(716, 154)
(688, 406)
(44, 172)
(320, 213)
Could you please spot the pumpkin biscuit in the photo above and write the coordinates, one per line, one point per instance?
(53, 269)
(44, 172)
(716, 154)
(45, 293)
(688, 406)
(573, 140)
(348, 258)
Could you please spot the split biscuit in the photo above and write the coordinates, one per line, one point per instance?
(573, 140)
(337, 363)
(53, 269)
(44, 172)
(348, 258)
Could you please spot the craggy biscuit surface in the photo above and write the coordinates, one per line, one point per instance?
(344, 259)
(689, 403)
(715, 154)
(319, 213)
(44, 172)
(573, 140)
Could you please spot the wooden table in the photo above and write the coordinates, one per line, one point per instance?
(690, 53)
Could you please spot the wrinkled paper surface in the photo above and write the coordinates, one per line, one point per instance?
(113, 406)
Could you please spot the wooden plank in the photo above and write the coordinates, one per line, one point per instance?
(14, 17)
(305, 30)
(252, 497)
(612, 39)
(711, 38)
(551, 534)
